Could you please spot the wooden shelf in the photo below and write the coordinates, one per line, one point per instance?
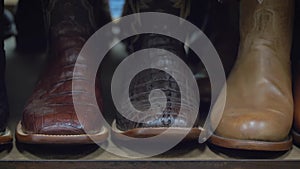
(185, 156)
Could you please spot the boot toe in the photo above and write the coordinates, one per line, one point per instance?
(62, 129)
(259, 125)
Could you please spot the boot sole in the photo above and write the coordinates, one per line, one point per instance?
(6, 138)
(24, 137)
(251, 144)
(193, 134)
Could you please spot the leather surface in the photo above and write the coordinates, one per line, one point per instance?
(219, 21)
(150, 79)
(3, 94)
(259, 103)
(50, 110)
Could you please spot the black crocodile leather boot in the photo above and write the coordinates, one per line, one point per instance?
(154, 122)
(5, 135)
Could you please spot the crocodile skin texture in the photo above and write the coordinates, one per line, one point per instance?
(150, 79)
(3, 95)
(50, 110)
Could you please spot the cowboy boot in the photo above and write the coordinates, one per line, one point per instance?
(154, 122)
(258, 111)
(5, 135)
(49, 116)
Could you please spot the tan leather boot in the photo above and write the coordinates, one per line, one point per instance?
(258, 113)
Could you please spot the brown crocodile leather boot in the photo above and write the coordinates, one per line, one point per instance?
(5, 134)
(157, 121)
(258, 113)
(49, 116)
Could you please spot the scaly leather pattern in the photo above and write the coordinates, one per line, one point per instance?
(50, 110)
(150, 79)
